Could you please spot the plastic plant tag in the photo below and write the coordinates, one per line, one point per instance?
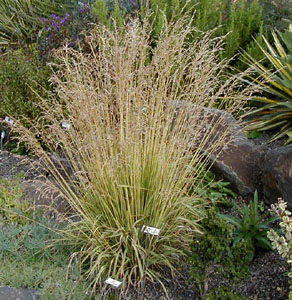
(2, 134)
(150, 230)
(9, 120)
(66, 125)
(113, 282)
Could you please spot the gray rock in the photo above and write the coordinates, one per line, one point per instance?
(44, 194)
(62, 163)
(239, 164)
(12, 293)
(277, 174)
(38, 188)
(238, 158)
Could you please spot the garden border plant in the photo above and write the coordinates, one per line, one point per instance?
(282, 240)
(130, 147)
(25, 246)
(215, 251)
(20, 20)
(275, 104)
(251, 226)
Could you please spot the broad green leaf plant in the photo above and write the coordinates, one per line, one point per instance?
(252, 226)
(275, 110)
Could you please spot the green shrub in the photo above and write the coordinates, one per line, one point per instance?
(106, 16)
(215, 251)
(251, 227)
(128, 147)
(253, 49)
(23, 79)
(275, 110)
(100, 11)
(224, 293)
(211, 14)
(12, 207)
(242, 20)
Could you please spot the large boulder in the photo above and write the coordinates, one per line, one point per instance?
(43, 194)
(277, 174)
(12, 293)
(239, 164)
(38, 187)
(236, 158)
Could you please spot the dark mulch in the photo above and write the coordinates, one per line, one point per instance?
(268, 280)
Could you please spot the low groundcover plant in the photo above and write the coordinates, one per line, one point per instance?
(130, 159)
(214, 251)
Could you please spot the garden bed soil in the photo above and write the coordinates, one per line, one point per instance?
(268, 280)
(13, 165)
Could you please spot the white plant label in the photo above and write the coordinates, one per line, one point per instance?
(66, 125)
(113, 282)
(150, 230)
(2, 135)
(9, 120)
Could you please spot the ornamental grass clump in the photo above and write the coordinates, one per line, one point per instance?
(130, 157)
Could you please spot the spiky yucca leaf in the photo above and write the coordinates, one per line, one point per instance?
(276, 109)
(131, 158)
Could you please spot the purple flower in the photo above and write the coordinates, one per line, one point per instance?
(56, 25)
(72, 44)
(65, 19)
(44, 20)
(84, 9)
(51, 36)
(54, 17)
